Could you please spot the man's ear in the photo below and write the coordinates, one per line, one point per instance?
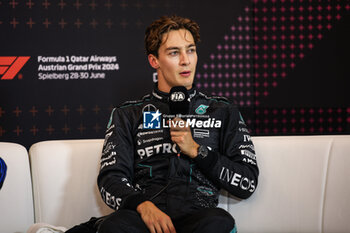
(153, 61)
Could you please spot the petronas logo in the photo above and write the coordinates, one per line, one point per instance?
(202, 109)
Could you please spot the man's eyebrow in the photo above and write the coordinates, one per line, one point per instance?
(178, 48)
(172, 48)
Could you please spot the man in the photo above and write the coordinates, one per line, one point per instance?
(167, 178)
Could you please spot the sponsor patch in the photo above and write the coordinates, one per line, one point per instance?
(201, 133)
(151, 120)
(202, 109)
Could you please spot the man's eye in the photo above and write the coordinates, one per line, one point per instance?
(191, 50)
(173, 53)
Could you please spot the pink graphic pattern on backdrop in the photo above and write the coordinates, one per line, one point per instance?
(264, 44)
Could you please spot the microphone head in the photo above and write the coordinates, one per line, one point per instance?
(179, 102)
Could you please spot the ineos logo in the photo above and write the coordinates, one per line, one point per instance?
(177, 96)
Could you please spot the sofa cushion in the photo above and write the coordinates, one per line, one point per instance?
(303, 184)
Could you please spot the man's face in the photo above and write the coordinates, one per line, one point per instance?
(176, 61)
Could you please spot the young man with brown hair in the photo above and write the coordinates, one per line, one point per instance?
(165, 176)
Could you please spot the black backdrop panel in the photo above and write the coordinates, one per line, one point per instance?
(284, 63)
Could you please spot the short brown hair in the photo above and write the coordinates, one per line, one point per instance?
(154, 32)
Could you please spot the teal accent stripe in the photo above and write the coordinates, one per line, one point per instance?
(150, 168)
(206, 191)
(110, 119)
(234, 230)
(191, 172)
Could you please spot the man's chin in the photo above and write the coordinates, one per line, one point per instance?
(186, 82)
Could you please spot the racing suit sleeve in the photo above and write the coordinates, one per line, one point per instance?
(115, 179)
(233, 167)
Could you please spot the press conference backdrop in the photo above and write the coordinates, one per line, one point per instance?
(65, 64)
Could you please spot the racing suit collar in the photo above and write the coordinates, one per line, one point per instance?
(156, 93)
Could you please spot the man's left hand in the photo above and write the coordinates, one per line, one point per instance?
(182, 136)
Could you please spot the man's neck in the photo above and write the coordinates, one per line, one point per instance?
(166, 88)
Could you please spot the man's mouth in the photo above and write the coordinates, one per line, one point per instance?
(185, 73)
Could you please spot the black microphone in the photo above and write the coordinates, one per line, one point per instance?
(179, 102)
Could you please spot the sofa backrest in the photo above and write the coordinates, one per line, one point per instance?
(303, 184)
(16, 199)
(64, 177)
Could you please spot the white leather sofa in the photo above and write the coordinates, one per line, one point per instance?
(303, 186)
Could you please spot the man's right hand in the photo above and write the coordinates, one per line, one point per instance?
(155, 219)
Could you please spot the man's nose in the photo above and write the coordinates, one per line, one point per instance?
(184, 59)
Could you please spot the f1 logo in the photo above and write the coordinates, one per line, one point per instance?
(10, 66)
